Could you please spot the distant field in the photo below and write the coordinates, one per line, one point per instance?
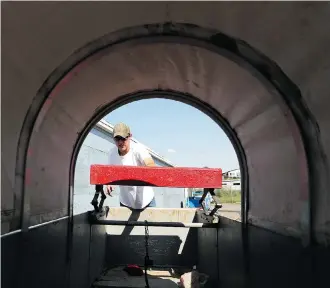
(228, 196)
(229, 199)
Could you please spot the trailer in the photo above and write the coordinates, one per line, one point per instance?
(260, 70)
(155, 247)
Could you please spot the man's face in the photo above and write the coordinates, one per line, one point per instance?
(123, 144)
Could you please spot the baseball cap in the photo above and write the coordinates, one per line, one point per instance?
(121, 130)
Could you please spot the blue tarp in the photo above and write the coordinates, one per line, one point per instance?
(193, 202)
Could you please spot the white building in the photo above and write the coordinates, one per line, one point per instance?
(232, 184)
(236, 173)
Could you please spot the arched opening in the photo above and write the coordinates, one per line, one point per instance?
(208, 73)
(196, 140)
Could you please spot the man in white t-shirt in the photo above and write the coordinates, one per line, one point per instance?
(129, 153)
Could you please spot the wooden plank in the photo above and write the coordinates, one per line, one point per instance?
(156, 176)
(153, 214)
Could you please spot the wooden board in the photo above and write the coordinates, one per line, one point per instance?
(118, 278)
(156, 176)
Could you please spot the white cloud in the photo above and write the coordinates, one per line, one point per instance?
(171, 150)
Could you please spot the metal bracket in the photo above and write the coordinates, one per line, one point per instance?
(98, 191)
(95, 217)
(216, 199)
(99, 210)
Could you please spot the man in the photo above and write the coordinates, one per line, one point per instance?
(128, 153)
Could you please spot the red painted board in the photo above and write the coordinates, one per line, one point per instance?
(156, 176)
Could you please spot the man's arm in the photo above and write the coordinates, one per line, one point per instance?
(149, 161)
(145, 157)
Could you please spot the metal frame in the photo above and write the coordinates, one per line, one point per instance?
(154, 224)
(268, 73)
(98, 191)
(216, 199)
(95, 216)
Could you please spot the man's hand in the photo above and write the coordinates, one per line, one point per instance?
(109, 189)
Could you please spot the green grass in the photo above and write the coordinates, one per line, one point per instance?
(228, 196)
(229, 199)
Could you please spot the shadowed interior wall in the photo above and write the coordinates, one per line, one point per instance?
(42, 259)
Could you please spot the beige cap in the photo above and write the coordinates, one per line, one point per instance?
(121, 130)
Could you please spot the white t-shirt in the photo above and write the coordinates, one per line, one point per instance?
(136, 197)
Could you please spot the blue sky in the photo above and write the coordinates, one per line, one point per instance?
(179, 132)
